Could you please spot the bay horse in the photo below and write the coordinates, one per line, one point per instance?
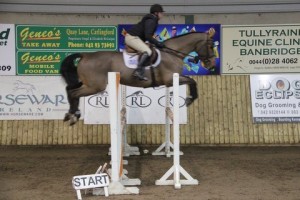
(90, 76)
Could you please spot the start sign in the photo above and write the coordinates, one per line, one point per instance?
(90, 181)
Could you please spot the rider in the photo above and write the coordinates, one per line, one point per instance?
(141, 32)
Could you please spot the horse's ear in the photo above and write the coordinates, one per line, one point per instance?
(211, 32)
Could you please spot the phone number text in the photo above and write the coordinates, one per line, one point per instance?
(273, 61)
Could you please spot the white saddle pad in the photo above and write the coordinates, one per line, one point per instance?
(131, 60)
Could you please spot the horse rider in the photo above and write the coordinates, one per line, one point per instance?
(141, 32)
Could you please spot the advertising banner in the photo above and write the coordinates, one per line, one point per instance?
(40, 62)
(7, 49)
(144, 106)
(27, 98)
(41, 48)
(275, 98)
(167, 31)
(261, 49)
(93, 38)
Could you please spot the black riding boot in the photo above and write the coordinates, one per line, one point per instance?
(139, 72)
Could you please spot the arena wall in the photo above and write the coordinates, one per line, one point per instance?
(221, 116)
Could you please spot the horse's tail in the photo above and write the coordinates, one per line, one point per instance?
(69, 71)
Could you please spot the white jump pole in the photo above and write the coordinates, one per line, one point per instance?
(127, 149)
(116, 186)
(166, 147)
(176, 169)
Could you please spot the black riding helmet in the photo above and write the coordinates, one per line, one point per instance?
(156, 8)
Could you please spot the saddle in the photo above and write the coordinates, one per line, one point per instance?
(153, 58)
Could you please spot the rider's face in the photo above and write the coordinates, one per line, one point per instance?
(160, 15)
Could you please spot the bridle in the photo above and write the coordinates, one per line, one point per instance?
(207, 57)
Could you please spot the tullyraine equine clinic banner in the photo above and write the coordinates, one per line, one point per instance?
(275, 98)
(7, 49)
(260, 49)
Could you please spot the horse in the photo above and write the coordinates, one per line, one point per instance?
(90, 76)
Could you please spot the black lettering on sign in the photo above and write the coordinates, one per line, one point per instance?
(5, 67)
(91, 181)
(77, 182)
(83, 180)
(98, 179)
(4, 34)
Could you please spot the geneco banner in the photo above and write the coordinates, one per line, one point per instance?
(42, 37)
(275, 98)
(260, 49)
(7, 49)
(143, 106)
(28, 97)
(41, 48)
(40, 62)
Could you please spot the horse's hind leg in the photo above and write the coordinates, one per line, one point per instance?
(192, 88)
(73, 97)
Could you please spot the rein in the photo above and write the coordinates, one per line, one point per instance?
(175, 52)
(183, 55)
(179, 52)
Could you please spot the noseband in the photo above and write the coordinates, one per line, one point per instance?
(206, 58)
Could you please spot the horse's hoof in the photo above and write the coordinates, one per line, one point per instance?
(67, 117)
(189, 101)
(73, 120)
(78, 114)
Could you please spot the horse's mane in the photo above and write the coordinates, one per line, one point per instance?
(182, 35)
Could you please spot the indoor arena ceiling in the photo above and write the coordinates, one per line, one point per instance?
(137, 7)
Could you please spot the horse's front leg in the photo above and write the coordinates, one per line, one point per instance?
(192, 88)
(74, 113)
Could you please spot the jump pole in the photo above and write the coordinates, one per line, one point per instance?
(165, 149)
(117, 183)
(127, 149)
(176, 169)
